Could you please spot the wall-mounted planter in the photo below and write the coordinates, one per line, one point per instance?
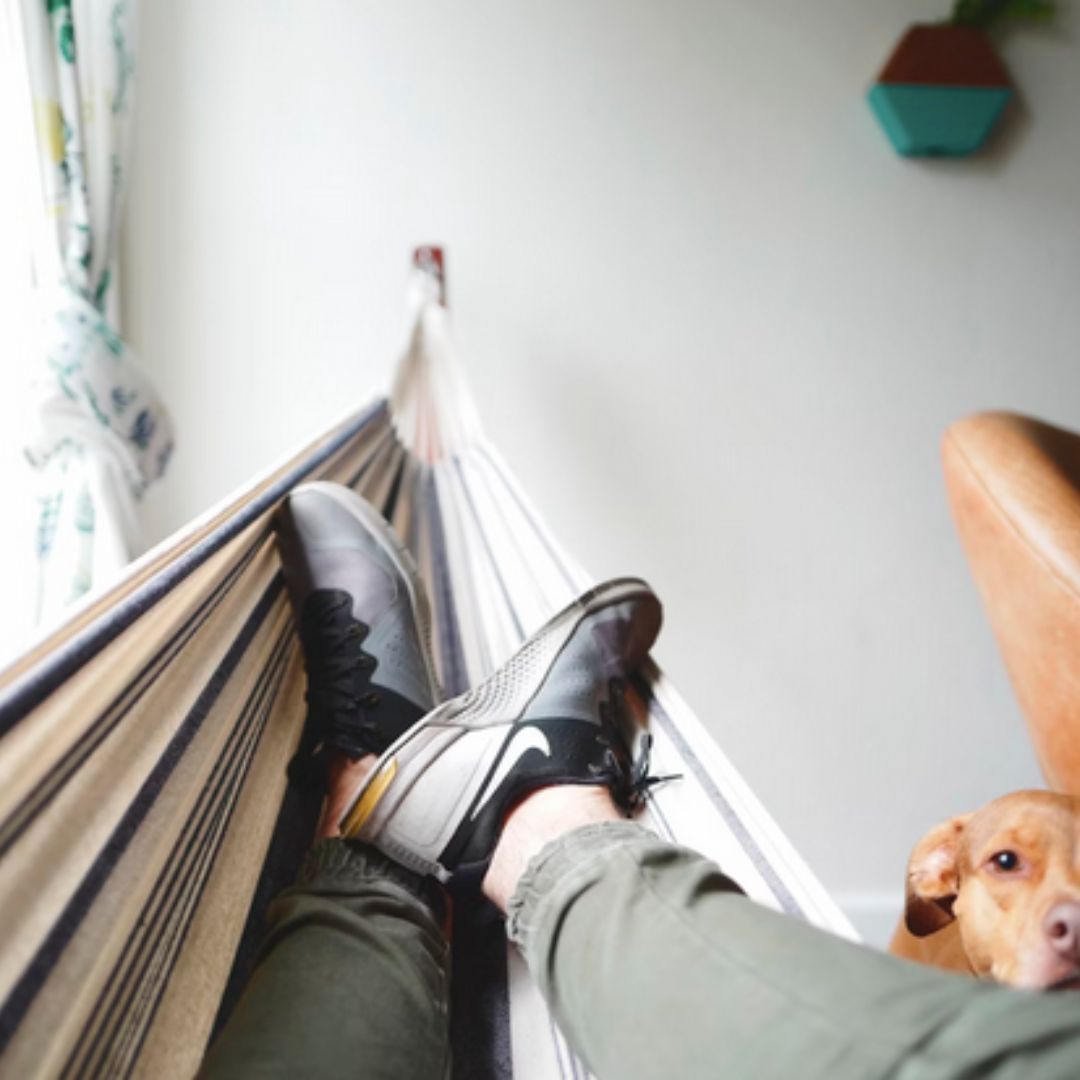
(942, 91)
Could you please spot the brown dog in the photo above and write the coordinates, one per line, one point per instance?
(997, 893)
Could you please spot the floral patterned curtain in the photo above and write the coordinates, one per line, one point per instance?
(99, 434)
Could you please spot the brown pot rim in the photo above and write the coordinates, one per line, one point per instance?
(941, 54)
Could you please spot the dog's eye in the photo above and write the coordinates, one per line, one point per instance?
(1007, 861)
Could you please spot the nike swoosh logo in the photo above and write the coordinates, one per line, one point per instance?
(524, 740)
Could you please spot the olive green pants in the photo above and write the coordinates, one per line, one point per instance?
(653, 964)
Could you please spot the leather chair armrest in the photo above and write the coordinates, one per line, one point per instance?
(1014, 487)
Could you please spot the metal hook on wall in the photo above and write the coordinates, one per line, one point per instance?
(431, 260)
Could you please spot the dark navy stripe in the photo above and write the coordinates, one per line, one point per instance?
(26, 989)
(386, 436)
(55, 669)
(294, 827)
(24, 814)
(480, 1011)
(395, 489)
(161, 907)
(224, 787)
(219, 817)
(131, 1020)
(783, 894)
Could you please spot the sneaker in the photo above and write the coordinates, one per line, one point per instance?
(364, 624)
(438, 797)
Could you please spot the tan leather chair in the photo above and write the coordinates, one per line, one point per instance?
(1014, 486)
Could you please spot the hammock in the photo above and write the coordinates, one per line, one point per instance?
(145, 819)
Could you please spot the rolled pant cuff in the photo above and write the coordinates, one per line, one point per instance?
(340, 867)
(560, 868)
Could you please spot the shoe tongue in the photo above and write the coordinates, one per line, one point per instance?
(323, 605)
(615, 639)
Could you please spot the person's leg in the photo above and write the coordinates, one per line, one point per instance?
(652, 960)
(352, 979)
(655, 966)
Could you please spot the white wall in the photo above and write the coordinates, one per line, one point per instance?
(715, 324)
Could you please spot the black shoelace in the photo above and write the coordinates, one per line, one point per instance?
(339, 693)
(626, 774)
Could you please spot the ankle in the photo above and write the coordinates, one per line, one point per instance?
(541, 817)
(344, 776)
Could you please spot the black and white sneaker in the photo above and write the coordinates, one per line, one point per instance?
(364, 624)
(438, 797)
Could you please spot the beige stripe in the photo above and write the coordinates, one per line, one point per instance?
(167, 554)
(52, 857)
(73, 829)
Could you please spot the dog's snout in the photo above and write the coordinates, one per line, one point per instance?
(1062, 929)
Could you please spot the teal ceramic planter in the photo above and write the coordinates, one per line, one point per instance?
(941, 93)
(934, 121)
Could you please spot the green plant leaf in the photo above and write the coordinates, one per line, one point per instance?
(1032, 9)
(985, 13)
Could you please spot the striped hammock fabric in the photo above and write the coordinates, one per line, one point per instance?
(145, 818)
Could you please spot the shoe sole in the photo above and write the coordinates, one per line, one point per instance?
(382, 532)
(496, 703)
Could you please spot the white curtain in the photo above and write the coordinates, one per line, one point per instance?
(98, 431)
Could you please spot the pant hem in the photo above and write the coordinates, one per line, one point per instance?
(556, 861)
(338, 866)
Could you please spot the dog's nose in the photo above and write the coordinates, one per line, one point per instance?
(1062, 929)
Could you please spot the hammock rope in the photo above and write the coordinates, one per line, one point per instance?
(145, 818)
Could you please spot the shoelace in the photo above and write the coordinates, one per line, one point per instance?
(627, 775)
(339, 677)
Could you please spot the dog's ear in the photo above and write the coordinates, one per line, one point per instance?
(933, 879)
